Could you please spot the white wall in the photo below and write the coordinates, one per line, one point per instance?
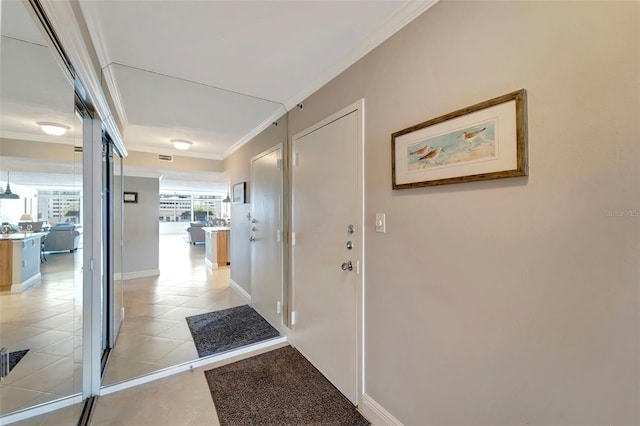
(141, 235)
(510, 301)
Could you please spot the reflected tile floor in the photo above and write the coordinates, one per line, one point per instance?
(155, 334)
(47, 320)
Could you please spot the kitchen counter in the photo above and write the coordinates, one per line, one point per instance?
(19, 260)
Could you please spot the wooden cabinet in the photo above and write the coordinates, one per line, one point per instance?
(6, 264)
(19, 261)
(216, 246)
(223, 248)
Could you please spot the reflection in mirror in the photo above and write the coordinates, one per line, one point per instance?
(170, 315)
(40, 250)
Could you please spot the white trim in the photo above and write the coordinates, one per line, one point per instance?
(375, 413)
(96, 33)
(235, 286)
(212, 361)
(275, 116)
(210, 265)
(65, 25)
(40, 409)
(91, 256)
(136, 274)
(174, 152)
(404, 15)
(29, 282)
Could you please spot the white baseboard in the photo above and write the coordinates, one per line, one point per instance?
(136, 274)
(375, 413)
(18, 288)
(234, 285)
(209, 362)
(40, 409)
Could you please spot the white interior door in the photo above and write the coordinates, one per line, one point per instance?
(266, 226)
(326, 221)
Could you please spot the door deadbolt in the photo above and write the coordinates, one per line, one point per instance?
(347, 266)
(351, 229)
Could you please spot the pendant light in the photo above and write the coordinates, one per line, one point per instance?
(227, 199)
(7, 194)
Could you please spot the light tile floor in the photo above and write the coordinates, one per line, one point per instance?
(183, 399)
(153, 336)
(47, 320)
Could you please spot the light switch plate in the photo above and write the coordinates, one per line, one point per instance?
(381, 223)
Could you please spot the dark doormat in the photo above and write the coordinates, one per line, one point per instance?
(220, 331)
(278, 388)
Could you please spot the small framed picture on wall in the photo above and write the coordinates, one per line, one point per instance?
(239, 193)
(130, 197)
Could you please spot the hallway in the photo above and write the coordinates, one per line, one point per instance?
(46, 319)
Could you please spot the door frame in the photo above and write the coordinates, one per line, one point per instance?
(358, 108)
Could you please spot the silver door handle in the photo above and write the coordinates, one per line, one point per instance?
(252, 239)
(347, 266)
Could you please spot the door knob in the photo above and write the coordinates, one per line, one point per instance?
(347, 266)
(252, 239)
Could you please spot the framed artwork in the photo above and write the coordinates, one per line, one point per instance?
(239, 190)
(484, 141)
(130, 197)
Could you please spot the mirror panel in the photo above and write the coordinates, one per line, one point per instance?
(154, 334)
(41, 291)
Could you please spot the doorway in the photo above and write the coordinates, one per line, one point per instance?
(327, 247)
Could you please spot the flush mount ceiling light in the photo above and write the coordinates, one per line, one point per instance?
(181, 144)
(53, 129)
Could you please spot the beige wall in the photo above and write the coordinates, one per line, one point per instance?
(510, 301)
(141, 250)
(239, 167)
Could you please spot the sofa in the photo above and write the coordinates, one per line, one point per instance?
(195, 233)
(62, 237)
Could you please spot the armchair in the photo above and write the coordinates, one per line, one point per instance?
(62, 238)
(196, 233)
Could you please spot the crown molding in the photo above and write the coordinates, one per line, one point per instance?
(274, 116)
(404, 15)
(66, 26)
(90, 14)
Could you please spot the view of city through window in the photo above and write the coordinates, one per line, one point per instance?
(59, 206)
(189, 208)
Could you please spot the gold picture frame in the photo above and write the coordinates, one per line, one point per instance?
(484, 141)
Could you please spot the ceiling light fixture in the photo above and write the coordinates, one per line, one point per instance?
(7, 194)
(227, 199)
(180, 144)
(53, 129)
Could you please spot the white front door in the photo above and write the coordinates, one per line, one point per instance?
(266, 227)
(326, 221)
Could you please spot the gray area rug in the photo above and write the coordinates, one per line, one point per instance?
(221, 331)
(278, 388)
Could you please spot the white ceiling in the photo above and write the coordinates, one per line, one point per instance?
(218, 72)
(212, 72)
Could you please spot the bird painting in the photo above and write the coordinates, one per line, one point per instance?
(422, 151)
(431, 155)
(470, 136)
